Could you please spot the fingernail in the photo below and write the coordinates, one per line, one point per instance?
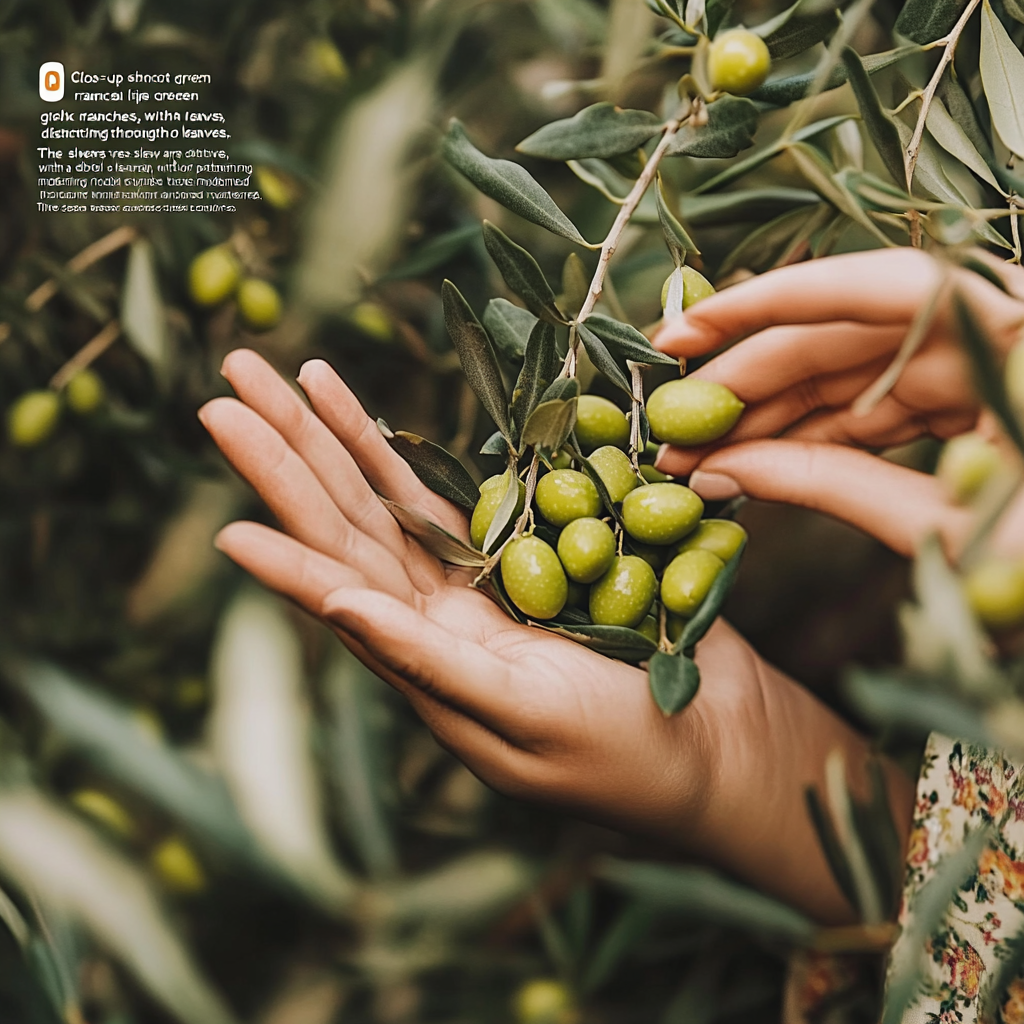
(714, 486)
(662, 452)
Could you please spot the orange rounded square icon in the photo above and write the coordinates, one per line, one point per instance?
(51, 81)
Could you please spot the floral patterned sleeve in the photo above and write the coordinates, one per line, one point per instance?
(963, 788)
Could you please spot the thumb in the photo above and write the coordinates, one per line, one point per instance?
(896, 505)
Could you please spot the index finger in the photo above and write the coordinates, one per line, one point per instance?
(878, 287)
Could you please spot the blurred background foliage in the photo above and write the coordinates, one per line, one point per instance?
(209, 812)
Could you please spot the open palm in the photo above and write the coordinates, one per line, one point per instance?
(532, 714)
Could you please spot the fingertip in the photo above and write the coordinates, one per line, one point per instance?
(712, 486)
(233, 359)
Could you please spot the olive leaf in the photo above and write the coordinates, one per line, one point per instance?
(495, 445)
(433, 253)
(437, 468)
(716, 12)
(879, 124)
(551, 422)
(961, 109)
(780, 92)
(437, 540)
(602, 176)
(988, 377)
(1002, 71)
(587, 468)
(674, 680)
(507, 183)
(762, 248)
(676, 238)
(730, 128)
(600, 130)
(613, 641)
(476, 355)
(510, 326)
(755, 160)
(494, 588)
(539, 369)
(949, 134)
(798, 33)
(575, 284)
(924, 21)
(602, 359)
(709, 608)
(522, 274)
(626, 342)
(758, 204)
(506, 510)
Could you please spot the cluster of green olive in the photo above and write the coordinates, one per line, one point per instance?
(968, 465)
(658, 550)
(215, 275)
(34, 416)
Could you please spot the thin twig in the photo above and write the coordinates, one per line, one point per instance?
(90, 351)
(636, 371)
(1015, 228)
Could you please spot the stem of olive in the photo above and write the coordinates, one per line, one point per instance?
(521, 523)
(637, 382)
(663, 643)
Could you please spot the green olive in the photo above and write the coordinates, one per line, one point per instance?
(213, 276)
(561, 460)
(966, 464)
(738, 61)
(566, 494)
(995, 592)
(277, 189)
(587, 549)
(533, 577)
(85, 392)
(1015, 376)
(654, 476)
(624, 594)
(600, 422)
(692, 411)
(544, 1001)
(661, 513)
(687, 580)
(492, 490)
(615, 470)
(373, 320)
(649, 628)
(33, 418)
(674, 626)
(721, 537)
(259, 304)
(695, 287)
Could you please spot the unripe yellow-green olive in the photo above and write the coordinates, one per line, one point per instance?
(85, 392)
(738, 61)
(276, 188)
(649, 628)
(615, 470)
(995, 592)
(624, 594)
(213, 276)
(544, 1001)
(652, 475)
(373, 320)
(674, 626)
(1014, 376)
(600, 422)
(566, 494)
(492, 490)
(33, 418)
(322, 63)
(661, 513)
(695, 287)
(533, 577)
(587, 549)
(721, 537)
(687, 580)
(177, 866)
(966, 464)
(561, 460)
(259, 304)
(105, 809)
(692, 411)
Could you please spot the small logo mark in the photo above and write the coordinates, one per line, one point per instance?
(51, 81)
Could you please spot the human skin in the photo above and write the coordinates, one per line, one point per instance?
(811, 338)
(533, 715)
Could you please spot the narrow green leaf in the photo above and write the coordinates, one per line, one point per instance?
(476, 355)
(757, 204)
(924, 21)
(602, 359)
(507, 183)
(600, 130)
(800, 33)
(495, 445)
(674, 680)
(626, 342)
(948, 133)
(716, 12)
(539, 369)
(575, 284)
(522, 274)
(961, 109)
(676, 238)
(434, 252)
(730, 128)
(551, 422)
(438, 541)
(495, 590)
(612, 641)
(831, 845)
(142, 310)
(706, 614)
(625, 933)
(1002, 72)
(762, 248)
(510, 326)
(587, 468)
(506, 510)
(437, 468)
(1015, 9)
(879, 124)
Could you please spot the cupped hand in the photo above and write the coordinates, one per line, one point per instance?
(817, 335)
(530, 713)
